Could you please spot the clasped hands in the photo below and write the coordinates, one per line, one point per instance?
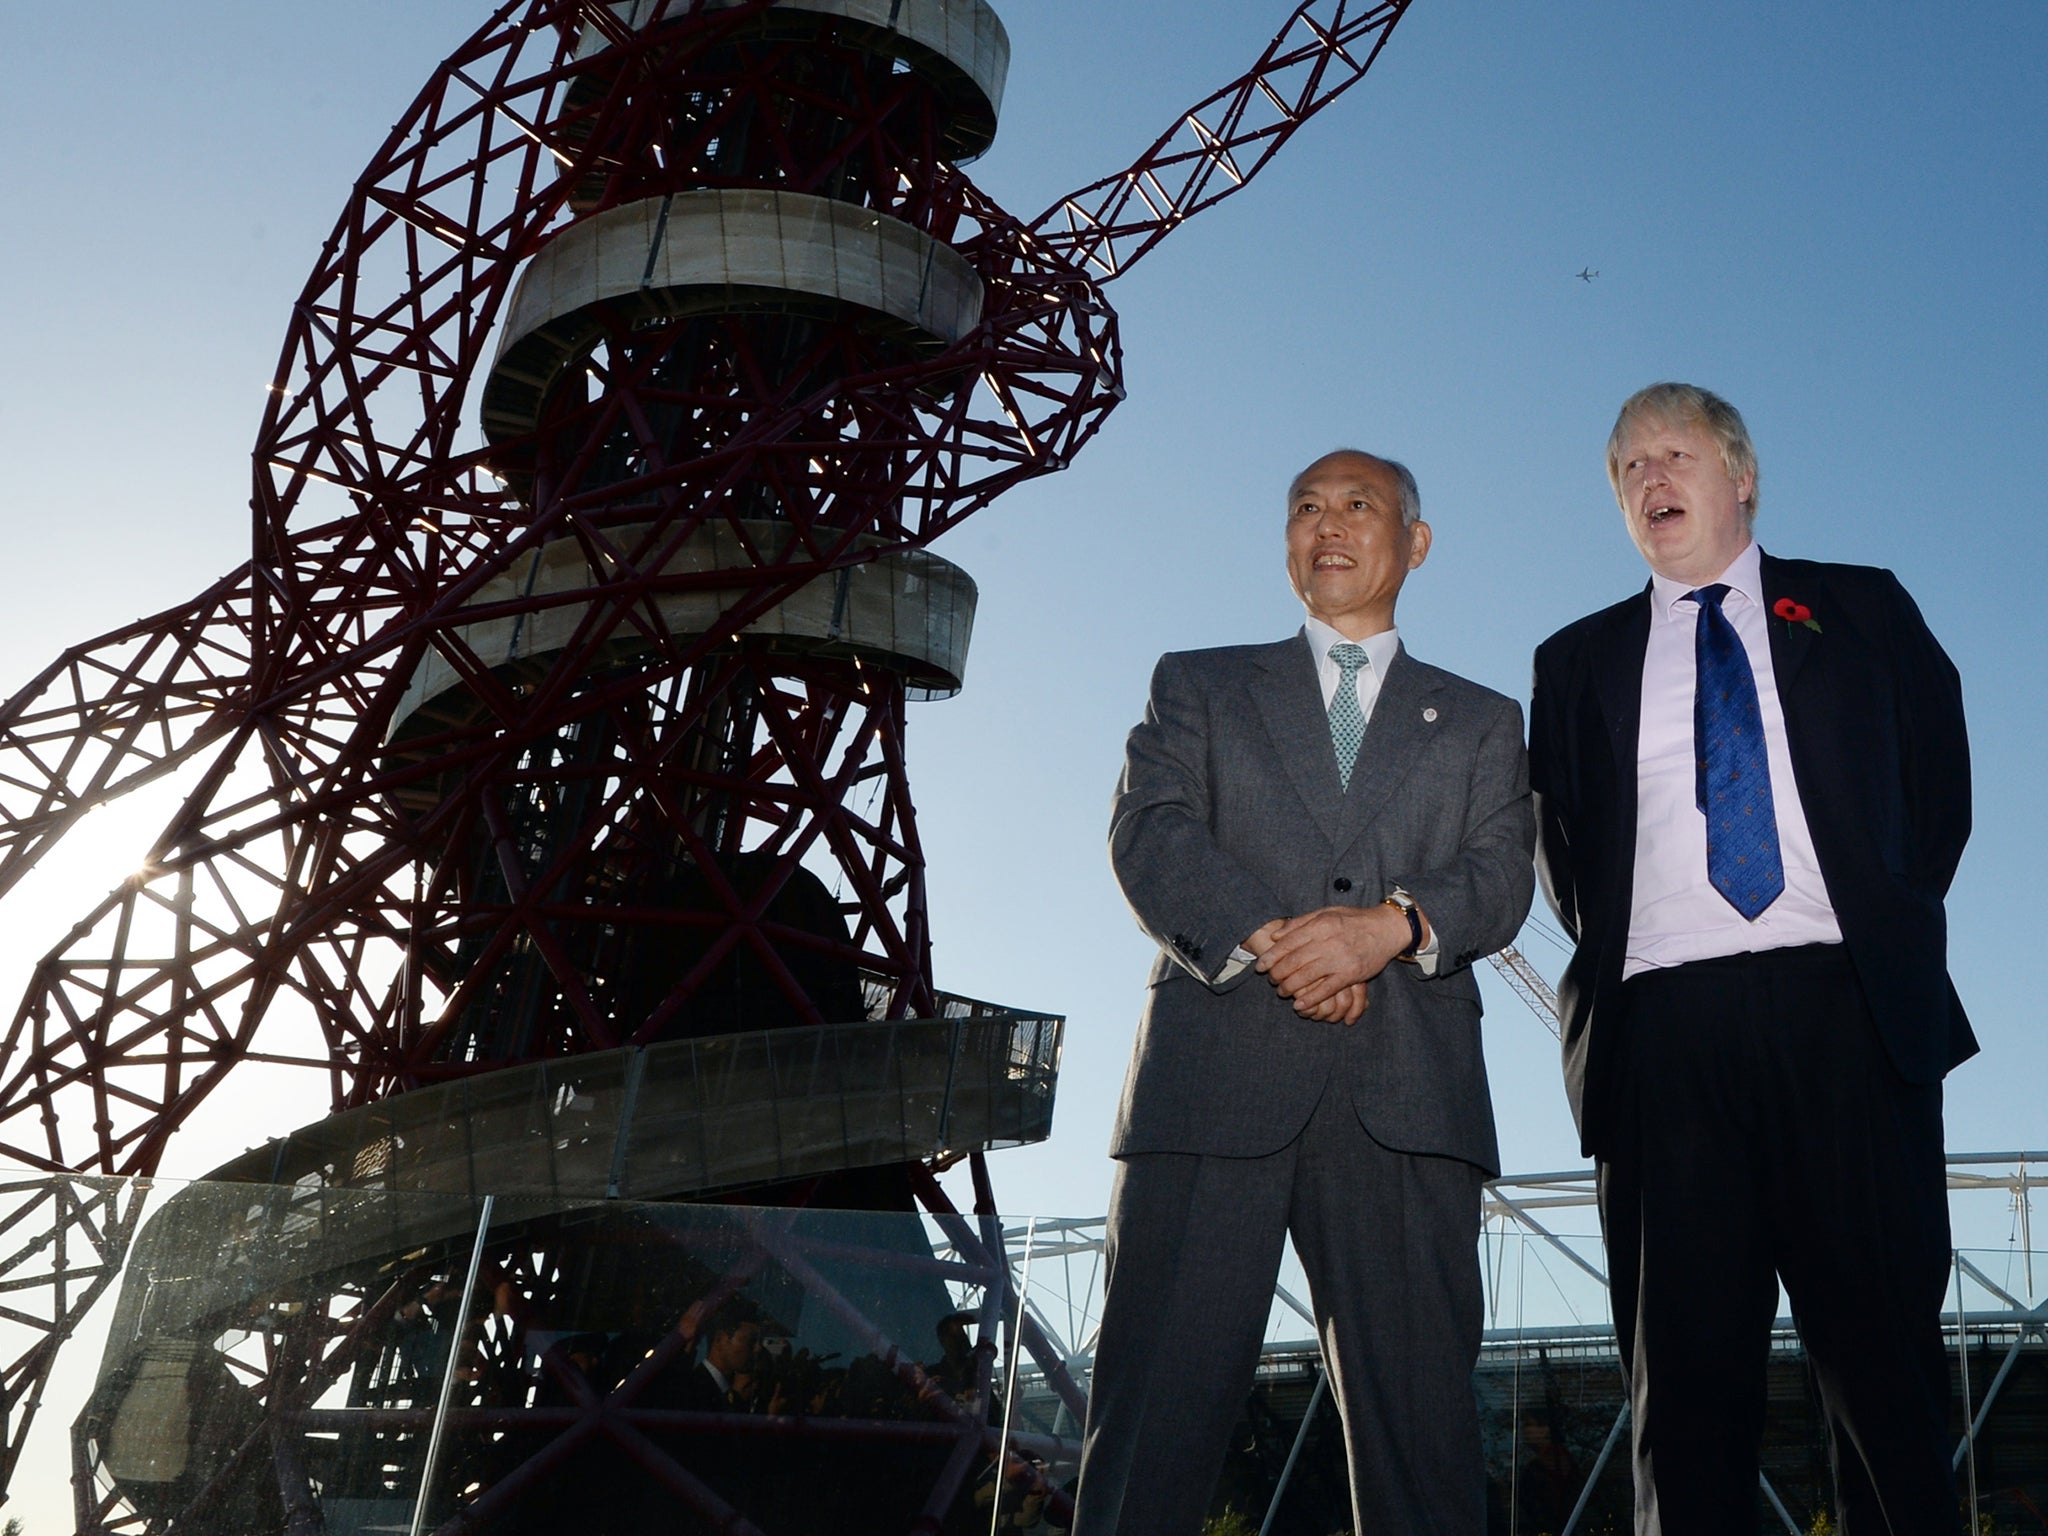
(1322, 960)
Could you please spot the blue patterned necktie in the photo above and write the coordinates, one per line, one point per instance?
(1732, 785)
(1347, 723)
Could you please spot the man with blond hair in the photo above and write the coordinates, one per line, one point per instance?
(1752, 786)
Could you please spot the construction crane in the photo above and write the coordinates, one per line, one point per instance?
(1530, 987)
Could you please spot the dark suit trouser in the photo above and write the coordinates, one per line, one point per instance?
(1763, 1133)
(1390, 1246)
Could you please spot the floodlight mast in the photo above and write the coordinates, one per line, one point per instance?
(561, 706)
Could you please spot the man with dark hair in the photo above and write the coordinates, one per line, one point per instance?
(1752, 785)
(1292, 820)
(730, 1342)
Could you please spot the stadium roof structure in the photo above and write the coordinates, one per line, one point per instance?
(1548, 1321)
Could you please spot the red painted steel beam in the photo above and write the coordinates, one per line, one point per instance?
(383, 892)
(1223, 141)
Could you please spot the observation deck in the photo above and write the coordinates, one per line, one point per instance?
(684, 1119)
(960, 46)
(908, 611)
(535, 1151)
(720, 251)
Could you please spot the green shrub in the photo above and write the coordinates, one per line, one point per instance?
(1232, 1522)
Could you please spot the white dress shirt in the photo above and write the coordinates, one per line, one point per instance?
(1379, 655)
(1675, 915)
(1380, 650)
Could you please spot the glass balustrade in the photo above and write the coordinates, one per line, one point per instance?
(305, 1357)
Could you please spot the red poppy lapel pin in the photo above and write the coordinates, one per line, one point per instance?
(1792, 611)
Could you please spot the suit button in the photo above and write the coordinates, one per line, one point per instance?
(1340, 884)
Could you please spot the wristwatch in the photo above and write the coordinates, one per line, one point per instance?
(1403, 903)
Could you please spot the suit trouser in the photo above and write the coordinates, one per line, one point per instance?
(1390, 1245)
(1763, 1133)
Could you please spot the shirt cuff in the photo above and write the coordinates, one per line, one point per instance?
(1427, 957)
(1240, 957)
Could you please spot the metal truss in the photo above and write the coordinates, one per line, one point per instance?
(1222, 142)
(1064, 1298)
(1529, 985)
(386, 889)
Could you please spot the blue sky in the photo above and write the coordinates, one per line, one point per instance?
(1834, 214)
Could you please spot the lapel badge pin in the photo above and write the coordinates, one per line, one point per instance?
(1429, 715)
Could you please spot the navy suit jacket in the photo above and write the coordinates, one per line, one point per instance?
(1874, 719)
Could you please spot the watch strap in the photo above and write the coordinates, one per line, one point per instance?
(1405, 905)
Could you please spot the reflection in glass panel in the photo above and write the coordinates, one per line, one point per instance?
(697, 1368)
(277, 1358)
(273, 1361)
(1043, 1407)
(320, 1340)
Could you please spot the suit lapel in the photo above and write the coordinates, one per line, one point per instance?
(1614, 656)
(1617, 663)
(1791, 644)
(1394, 737)
(1815, 754)
(1290, 701)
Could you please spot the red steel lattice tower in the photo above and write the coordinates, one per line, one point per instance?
(561, 706)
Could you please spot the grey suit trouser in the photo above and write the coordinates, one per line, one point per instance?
(1390, 1245)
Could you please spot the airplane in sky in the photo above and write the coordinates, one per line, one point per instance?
(1587, 274)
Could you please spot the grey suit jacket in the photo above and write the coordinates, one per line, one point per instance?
(1230, 813)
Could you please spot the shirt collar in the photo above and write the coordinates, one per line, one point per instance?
(1744, 575)
(1379, 648)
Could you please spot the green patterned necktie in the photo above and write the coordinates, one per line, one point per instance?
(1347, 724)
